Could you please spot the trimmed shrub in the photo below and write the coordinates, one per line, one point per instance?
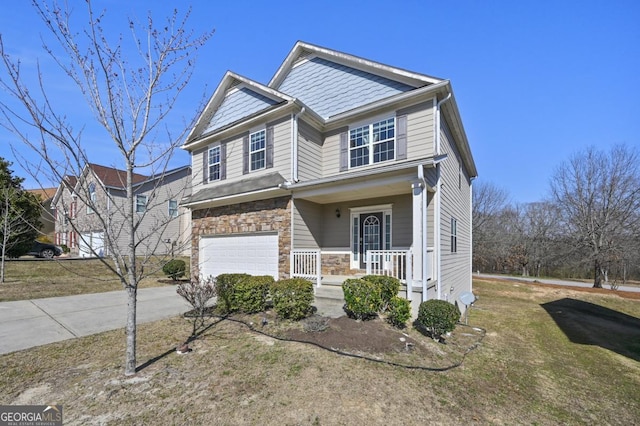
(362, 298)
(438, 317)
(174, 269)
(292, 298)
(225, 290)
(65, 248)
(389, 286)
(398, 311)
(250, 293)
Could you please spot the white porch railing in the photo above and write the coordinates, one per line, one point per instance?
(394, 263)
(306, 264)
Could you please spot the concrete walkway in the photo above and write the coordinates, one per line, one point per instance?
(556, 282)
(28, 323)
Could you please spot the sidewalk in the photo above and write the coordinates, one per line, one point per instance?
(28, 323)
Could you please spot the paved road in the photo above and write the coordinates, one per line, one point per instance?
(555, 282)
(28, 323)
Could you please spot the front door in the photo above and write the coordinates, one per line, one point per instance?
(371, 232)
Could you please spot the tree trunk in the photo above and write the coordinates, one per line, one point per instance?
(597, 274)
(130, 363)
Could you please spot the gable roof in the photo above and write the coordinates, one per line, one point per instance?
(235, 98)
(45, 194)
(113, 178)
(325, 82)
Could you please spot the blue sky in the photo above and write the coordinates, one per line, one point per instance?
(535, 81)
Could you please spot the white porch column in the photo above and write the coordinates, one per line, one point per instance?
(416, 248)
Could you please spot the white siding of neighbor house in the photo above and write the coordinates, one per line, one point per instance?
(156, 227)
(309, 152)
(455, 202)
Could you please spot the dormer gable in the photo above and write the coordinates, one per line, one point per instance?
(235, 99)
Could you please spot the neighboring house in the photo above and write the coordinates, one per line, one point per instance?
(46, 216)
(164, 227)
(339, 166)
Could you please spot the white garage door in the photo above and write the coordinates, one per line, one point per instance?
(89, 241)
(255, 254)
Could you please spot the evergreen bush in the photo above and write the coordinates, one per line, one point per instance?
(363, 299)
(292, 298)
(225, 290)
(250, 293)
(398, 311)
(438, 317)
(174, 269)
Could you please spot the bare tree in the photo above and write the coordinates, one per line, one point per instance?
(131, 97)
(489, 238)
(598, 194)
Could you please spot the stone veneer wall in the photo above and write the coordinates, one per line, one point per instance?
(337, 264)
(250, 217)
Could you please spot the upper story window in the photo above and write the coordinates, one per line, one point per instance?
(257, 150)
(141, 203)
(173, 208)
(214, 163)
(373, 143)
(92, 197)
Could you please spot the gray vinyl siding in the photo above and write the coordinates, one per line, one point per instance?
(330, 88)
(336, 232)
(309, 152)
(237, 104)
(455, 201)
(234, 160)
(420, 136)
(307, 225)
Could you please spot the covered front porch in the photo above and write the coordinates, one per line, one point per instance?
(381, 225)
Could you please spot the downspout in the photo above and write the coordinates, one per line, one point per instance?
(438, 199)
(471, 234)
(423, 248)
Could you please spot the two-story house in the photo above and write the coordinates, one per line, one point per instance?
(339, 166)
(90, 211)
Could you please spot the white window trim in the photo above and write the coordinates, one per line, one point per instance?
(369, 124)
(263, 130)
(219, 163)
(169, 208)
(146, 200)
(354, 213)
(454, 235)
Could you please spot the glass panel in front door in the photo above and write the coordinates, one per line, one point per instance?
(370, 235)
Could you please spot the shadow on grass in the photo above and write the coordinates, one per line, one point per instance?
(589, 324)
(157, 358)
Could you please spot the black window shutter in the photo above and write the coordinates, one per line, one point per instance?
(344, 152)
(269, 160)
(401, 138)
(223, 161)
(245, 155)
(205, 166)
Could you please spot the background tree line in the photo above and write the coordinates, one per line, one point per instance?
(588, 226)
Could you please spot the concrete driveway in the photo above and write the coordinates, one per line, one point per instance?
(28, 323)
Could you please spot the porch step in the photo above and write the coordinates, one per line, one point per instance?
(329, 301)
